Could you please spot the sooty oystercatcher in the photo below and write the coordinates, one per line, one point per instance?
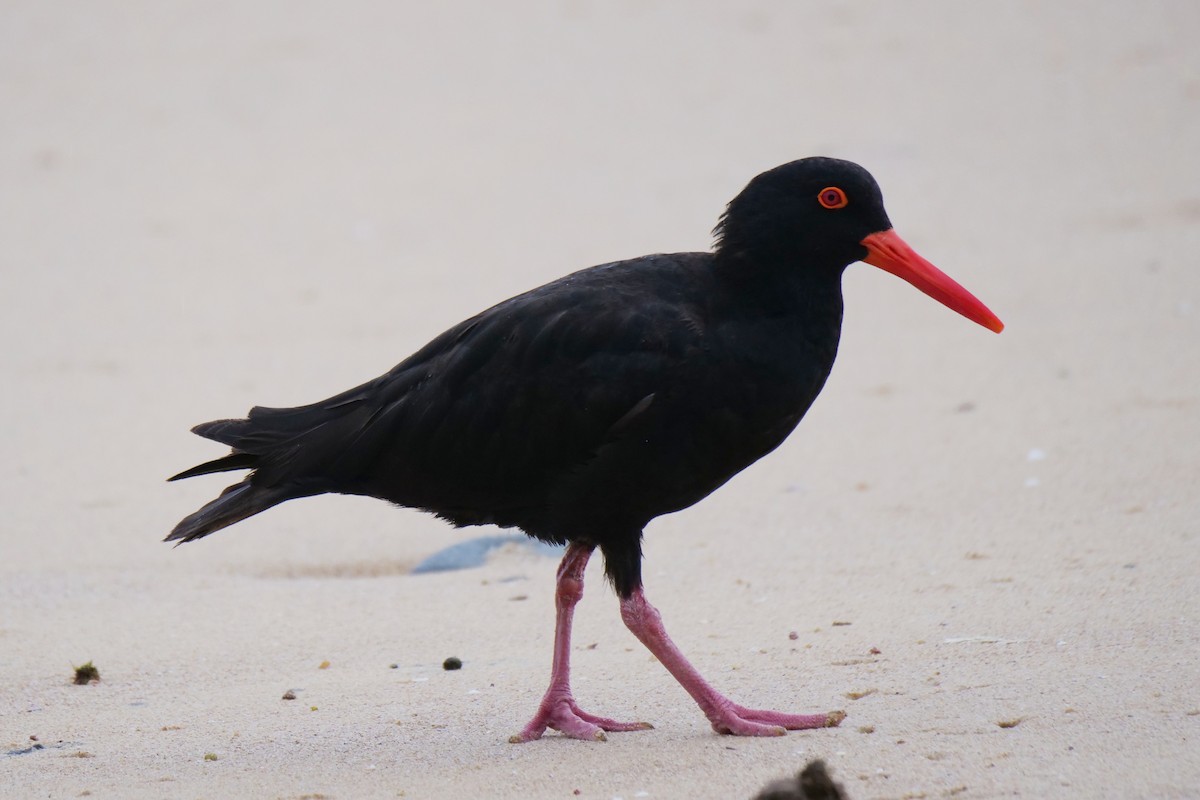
(583, 409)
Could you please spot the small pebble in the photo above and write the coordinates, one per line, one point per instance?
(452, 663)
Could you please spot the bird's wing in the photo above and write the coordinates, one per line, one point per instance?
(530, 388)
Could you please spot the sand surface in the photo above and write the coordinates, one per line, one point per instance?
(204, 206)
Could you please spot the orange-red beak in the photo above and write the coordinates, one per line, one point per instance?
(890, 253)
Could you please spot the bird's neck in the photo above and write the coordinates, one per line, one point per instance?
(786, 317)
(792, 287)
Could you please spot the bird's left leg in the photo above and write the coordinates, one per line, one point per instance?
(726, 716)
(558, 709)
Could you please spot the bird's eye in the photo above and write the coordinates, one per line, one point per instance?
(832, 197)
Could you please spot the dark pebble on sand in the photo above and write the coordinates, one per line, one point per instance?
(813, 783)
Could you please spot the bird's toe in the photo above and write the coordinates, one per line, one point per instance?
(741, 721)
(566, 717)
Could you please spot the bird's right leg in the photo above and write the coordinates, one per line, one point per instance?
(558, 709)
(644, 621)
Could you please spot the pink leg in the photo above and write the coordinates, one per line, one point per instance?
(726, 716)
(558, 709)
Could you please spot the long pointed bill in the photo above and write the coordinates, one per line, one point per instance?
(890, 253)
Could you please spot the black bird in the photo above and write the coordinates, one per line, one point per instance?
(583, 409)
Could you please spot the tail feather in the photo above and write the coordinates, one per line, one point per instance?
(287, 449)
(237, 502)
(225, 431)
(268, 429)
(223, 464)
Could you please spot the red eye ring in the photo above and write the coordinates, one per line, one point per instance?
(832, 197)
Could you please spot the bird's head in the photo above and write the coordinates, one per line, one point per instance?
(825, 214)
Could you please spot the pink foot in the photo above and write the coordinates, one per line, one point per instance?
(558, 709)
(726, 716)
(564, 715)
(741, 721)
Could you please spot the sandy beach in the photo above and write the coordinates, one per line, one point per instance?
(985, 549)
